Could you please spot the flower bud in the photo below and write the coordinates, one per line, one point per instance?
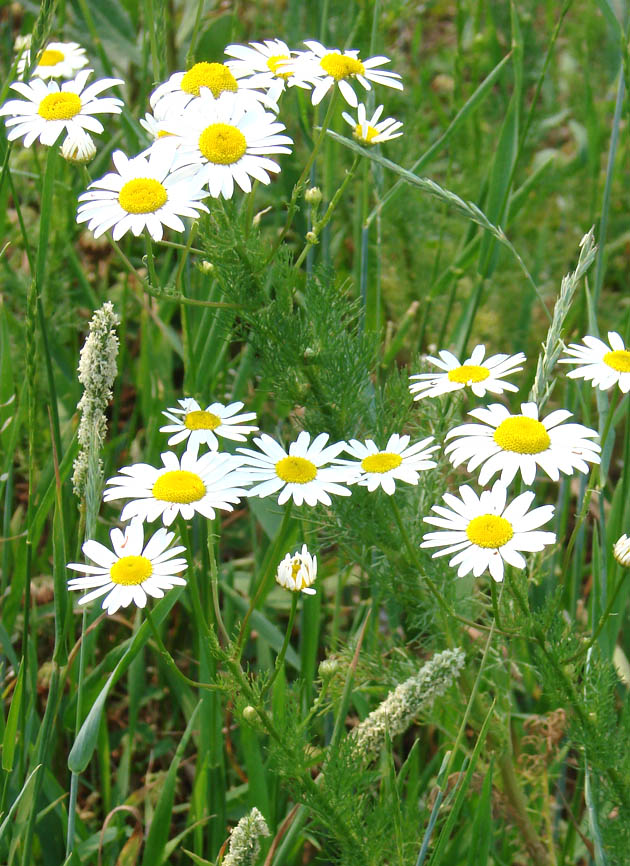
(250, 714)
(312, 238)
(621, 551)
(78, 148)
(313, 196)
(207, 267)
(328, 668)
(298, 572)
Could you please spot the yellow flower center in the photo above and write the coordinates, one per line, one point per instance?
(215, 76)
(277, 61)
(50, 57)
(296, 565)
(131, 570)
(521, 434)
(296, 470)
(202, 421)
(468, 373)
(142, 195)
(369, 135)
(340, 66)
(59, 106)
(619, 360)
(222, 143)
(381, 462)
(489, 531)
(179, 486)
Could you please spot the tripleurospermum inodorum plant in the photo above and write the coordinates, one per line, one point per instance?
(313, 450)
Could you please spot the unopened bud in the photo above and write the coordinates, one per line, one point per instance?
(78, 148)
(313, 196)
(312, 238)
(207, 267)
(328, 668)
(250, 714)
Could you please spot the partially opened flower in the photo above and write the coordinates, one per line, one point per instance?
(603, 365)
(621, 551)
(327, 67)
(264, 65)
(78, 147)
(132, 571)
(192, 484)
(297, 572)
(397, 461)
(202, 426)
(484, 533)
(144, 193)
(48, 109)
(302, 474)
(474, 373)
(182, 88)
(228, 141)
(57, 60)
(520, 443)
(371, 131)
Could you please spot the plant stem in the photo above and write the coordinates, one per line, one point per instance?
(285, 645)
(170, 661)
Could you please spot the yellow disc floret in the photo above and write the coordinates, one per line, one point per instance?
(179, 486)
(50, 57)
(522, 434)
(131, 570)
(222, 143)
(202, 421)
(468, 373)
(489, 530)
(142, 195)
(341, 66)
(275, 64)
(619, 360)
(296, 470)
(215, 76)
(59, 106)
(382, 462)
(370, 134)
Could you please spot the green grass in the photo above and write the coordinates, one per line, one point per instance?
(138, 739)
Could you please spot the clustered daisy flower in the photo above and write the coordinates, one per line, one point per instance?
(202, 426)
(398, 461)
(370, 131)
(602, 364)
(475, 373)
(57, 60)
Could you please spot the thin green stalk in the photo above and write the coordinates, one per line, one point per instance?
(602, 622)
(302, 178)
(153, 279)
(285, 645)
(170, 661)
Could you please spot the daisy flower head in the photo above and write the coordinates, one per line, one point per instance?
(369, 132)
(520, 443)
(602, 364)
(132, 571)
(397, 461)
(202, 426)
(48, 109)
(228, 142)
(78, 147)
(326, 67)
(143, 192)
(265, 66)
(475, 373)
(621, 551)
(302, 473)
(298, 572)
(182, 88)
(57, 60)
(484, 532)
(192, 484)
(153, 123)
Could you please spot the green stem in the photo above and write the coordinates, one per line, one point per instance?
(285, 645)
(170, 661)
(153, 280)
(313, 236)
(602, 622)
(302, 178)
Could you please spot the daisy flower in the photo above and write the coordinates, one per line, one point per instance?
(194, 484)
(298, 572)
(300, 474)
(325, 67)
(483, 532)
(182, 88)
(78, 147)
(370, 131)
(57, 60)
(132, 571)
(228, 141)
(202, 426)
(263, 63)
(48, 109)
(396, 462)
(621, 551)
(604, 365)
(142, 193)
(479, 375)
(513, 443)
